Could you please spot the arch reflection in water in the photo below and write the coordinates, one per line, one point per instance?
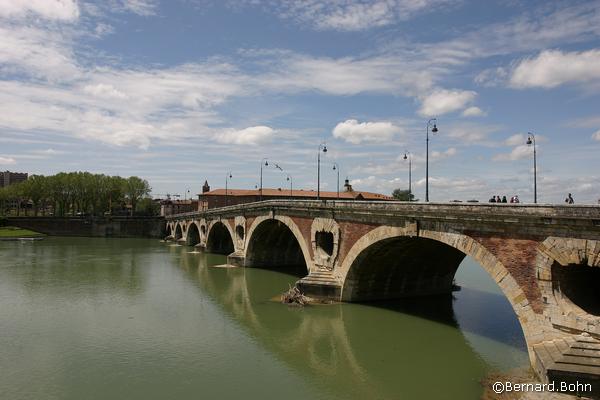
(379, 350)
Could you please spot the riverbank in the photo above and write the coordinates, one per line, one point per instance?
(14, 233)
(106, 226)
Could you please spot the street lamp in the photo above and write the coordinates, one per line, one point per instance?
(408, 156)
(227, 177)
(433, 130)
(289, 178)
(261, 168)
(336, 166)
(322, 147)
(530, 141)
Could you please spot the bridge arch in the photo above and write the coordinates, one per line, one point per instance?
(193, 234)
(219, 238)
(276, 241)
(178, 231)
(384, 253)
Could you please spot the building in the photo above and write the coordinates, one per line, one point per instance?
(218, 198)
(9, 178)
(169, 207)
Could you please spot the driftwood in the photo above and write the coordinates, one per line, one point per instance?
(294, 297)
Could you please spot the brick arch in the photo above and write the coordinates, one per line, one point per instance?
(287, 221)
(465, 244)
(213, 223)
(563, 253)
(178, 227)
(189, 231)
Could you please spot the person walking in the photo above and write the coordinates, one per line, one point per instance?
(569, 199)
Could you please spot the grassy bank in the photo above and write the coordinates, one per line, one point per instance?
(14, 232)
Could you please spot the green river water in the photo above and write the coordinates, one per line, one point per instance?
(91, 318)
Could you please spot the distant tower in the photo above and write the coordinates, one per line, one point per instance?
(347, 185)
(205, 187)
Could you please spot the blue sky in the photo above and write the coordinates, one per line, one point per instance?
(186, 90)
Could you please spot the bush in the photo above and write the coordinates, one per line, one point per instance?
(3, 221)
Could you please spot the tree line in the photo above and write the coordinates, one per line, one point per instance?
(78, 193)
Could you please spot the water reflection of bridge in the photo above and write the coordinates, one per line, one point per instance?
(341, 345)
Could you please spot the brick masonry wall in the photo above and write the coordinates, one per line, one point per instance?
(350, 232)
(518, 255)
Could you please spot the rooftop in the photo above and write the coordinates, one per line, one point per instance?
(285, 193)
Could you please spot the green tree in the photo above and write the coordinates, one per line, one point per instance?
(135, 189)
(403, 195)
(148, 207)
(35, 189)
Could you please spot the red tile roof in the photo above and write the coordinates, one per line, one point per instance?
(267, 192)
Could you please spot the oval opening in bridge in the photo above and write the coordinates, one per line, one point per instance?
(272, 245)
(193, 235)
(178, 232)
(324, 241)
(579, 284)
(219, 240)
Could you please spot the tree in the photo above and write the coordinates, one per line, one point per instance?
(147, 207)
(135, 189)
(403, 195)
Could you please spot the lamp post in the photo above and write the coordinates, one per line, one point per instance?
(261, 168)
(408, 156)
(227, 177)
(336, 167)
(289, 178)
(322, 147)
(530, 141)
(433, 130)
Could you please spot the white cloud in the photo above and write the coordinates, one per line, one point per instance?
(7, 160)
(390, 74)
(141, 7)
(347, 15)
(444, 101)
(516, 140)
(492, 77)
(40, 53)
(518, 153)
(553, 68)
(248, 136)
(65, 10)
(473, 112)
(357, 132)
(469, 133)
(596, 136)
(104, 90)
(440, 155)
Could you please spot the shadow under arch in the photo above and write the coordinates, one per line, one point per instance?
(178, 232)
(193, 235)
(390, 263)
(276, 243)
(219, 239)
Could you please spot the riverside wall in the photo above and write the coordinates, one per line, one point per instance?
(146, 227)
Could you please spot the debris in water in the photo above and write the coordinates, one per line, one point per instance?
(294, 297)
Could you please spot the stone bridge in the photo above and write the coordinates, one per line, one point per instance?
(544, 258)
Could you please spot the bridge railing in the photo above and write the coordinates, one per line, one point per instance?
(549, 211)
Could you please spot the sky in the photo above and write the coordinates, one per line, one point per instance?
(183, 91)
